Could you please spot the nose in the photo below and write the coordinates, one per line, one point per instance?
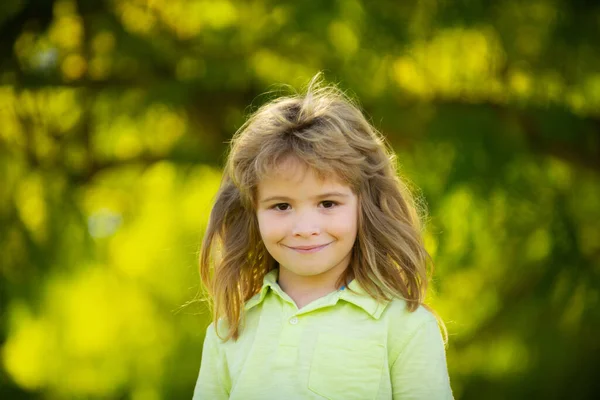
(306, 225)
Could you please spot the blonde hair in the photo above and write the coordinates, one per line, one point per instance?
(326, 131)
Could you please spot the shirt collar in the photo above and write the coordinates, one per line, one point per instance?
(355, 295)
(269, 281)
(359, 297)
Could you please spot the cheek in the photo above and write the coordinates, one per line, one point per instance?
(345, 224)
(342, 228)
(270, 227)
(262, 224)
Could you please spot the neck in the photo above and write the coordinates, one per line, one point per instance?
(305, 289)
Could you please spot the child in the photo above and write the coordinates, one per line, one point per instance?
(314, 259)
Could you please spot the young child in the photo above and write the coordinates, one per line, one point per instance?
(314, 259)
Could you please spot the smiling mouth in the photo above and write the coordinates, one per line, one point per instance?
(308, 249)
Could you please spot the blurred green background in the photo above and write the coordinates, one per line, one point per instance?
(114, 117)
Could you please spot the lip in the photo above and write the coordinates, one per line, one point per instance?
(308, 249)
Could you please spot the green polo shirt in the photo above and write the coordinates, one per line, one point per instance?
(345, 345)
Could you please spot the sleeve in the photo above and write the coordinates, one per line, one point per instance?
(213, 381)
(420, 370)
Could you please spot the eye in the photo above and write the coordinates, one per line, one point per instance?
(281, 207)
(329, 204)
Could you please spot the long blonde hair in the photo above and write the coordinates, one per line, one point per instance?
(325, 130)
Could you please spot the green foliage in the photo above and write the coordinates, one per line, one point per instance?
(114, 120)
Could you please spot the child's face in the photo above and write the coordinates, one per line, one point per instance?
(308, 225)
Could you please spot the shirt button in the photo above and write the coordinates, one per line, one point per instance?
(293, 320)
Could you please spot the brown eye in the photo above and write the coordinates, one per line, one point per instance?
(328, 204)
(282, 206)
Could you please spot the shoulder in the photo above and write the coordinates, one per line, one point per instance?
(399, 315)
(220, 329)
(213, 335)
(404, 324)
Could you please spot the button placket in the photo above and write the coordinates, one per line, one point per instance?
(289, 339)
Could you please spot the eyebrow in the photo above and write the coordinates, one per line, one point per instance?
(320, 196)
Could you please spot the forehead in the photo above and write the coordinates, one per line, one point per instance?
(294, 176)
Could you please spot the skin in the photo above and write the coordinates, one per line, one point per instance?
(297, 211)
